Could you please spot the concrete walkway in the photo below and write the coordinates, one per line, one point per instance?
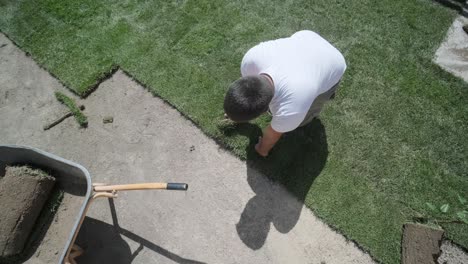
(230, 214)
(452, 55)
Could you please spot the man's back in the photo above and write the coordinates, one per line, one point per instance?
(302, 67)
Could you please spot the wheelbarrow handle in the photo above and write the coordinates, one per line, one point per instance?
(177, 186)
(142, 186)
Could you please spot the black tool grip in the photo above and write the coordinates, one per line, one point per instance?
(177, 186)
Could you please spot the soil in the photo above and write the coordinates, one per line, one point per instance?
(56, 231)
(23, 192)
(420, 244)
(108, 119)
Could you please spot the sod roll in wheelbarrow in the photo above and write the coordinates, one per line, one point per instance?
(23, 193)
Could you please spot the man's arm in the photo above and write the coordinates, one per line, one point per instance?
(266, 143)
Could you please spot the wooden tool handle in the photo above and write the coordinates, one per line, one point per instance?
(142, 186)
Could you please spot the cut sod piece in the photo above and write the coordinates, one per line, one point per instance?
(67, 101)
(420, 244)
(23, 193)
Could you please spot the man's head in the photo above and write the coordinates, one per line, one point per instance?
(248, 98)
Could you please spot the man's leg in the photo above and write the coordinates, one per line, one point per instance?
(318, 104)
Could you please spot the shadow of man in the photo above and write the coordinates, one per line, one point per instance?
(295, 162)
(461, 6)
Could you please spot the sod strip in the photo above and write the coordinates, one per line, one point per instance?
(68, 102)
(23, 192)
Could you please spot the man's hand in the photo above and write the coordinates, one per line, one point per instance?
(269, 139)
(258, 148)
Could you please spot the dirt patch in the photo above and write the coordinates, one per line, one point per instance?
(23, 192)
(420, 244)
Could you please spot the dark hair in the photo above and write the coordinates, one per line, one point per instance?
(247, 98)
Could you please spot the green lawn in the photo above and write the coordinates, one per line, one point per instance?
(395, 137)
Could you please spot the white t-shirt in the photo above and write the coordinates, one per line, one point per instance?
(302, 67)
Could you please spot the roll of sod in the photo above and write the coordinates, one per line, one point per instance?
(23, 193)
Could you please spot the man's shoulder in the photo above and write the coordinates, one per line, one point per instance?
(256, 59)
(305, 32)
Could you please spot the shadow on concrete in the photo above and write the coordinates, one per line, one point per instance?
(295, 162)
(459, 5)
(103, 243)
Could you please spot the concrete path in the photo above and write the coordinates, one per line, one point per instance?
(452, 55)
(230, 214)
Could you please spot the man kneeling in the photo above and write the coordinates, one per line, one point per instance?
(291, 77)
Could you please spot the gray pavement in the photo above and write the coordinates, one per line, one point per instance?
(452, 55)
(231, 213)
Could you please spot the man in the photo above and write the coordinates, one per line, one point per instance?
(292, 77)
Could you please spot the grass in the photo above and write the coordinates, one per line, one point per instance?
(71, 105)
(395, 137)
(27, 170)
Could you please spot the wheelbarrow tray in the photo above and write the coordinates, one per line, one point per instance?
(75, 182)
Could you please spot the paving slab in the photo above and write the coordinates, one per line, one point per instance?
(452, 55)
(452, 254)
(149, 141)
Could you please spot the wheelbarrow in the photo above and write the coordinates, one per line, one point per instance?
(75, 180)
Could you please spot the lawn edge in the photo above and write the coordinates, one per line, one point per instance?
(103, 76)
(230, 151)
